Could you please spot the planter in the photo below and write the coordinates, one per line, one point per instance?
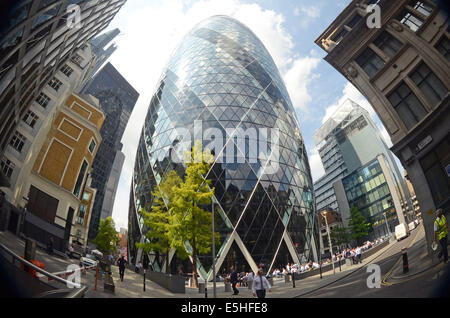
(173, 283)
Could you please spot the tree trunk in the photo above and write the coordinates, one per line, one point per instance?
(194, 265)
(167, 261)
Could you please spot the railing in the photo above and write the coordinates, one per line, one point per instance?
(77, 292)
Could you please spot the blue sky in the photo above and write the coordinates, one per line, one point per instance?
(151, 30)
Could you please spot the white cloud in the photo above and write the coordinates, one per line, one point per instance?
(307, 14)
(151, 33)
(315, 163)
(297, 79)
(311, 11)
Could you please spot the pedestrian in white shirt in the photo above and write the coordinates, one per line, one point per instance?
(260, 285)
(358, 255)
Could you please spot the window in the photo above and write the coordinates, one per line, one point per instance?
(18, 141)
(354, 21)
(370, 62)
(86, 196)
(443, 46)
(339, 36)
(66, 70)
(421, 7)
(7, 167)
(43, 100)
(410, 19)
(388, 44)
(430, 85)
(82, 211)
(92, 146)
(77, 59)
(55, 83)
(30, 118)
(407, 105)
(80, 178)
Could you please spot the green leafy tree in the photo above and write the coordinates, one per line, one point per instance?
(107, 237)
(158, 220)
(191, 222)
(340, 236)
(359, 227)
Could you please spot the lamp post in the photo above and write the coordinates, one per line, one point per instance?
(329, 240)
(213, 251)
(385, 219)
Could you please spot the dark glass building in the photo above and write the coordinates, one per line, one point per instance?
(117, 99)
(221, 78)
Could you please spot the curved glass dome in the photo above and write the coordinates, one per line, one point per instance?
(222, 77)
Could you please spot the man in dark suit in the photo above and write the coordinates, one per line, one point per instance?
(234, 280)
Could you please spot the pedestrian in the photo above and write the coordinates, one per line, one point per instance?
(260, 285)
(50, 245)
(358, 255)
(234, 280)
(121, 262)
(441, 233)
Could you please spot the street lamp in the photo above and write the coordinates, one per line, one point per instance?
(385, 219)
(329, 240)
(213, 251)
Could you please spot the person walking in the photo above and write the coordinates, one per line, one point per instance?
(50, 246)
(234, 280)
(358, 255)
(260, 285)
(441, 233)
(121, 262)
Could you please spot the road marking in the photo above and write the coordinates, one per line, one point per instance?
(384, 282)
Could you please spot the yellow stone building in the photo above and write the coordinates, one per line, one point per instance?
(58, 190)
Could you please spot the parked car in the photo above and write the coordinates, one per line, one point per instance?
(88, 260)
(401, 232)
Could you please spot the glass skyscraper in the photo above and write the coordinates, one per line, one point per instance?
(117, 99)
(222, 77)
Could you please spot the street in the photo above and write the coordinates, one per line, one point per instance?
(422, 285)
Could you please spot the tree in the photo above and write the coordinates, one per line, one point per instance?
(158, 220)
(107, 237)
(340, 236)
(191, 223)
(359, 227)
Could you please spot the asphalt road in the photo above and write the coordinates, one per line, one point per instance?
(428, 284)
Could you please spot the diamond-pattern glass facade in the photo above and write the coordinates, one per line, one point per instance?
(223, 76)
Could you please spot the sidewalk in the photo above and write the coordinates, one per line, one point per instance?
(132, 286)
(418, 262)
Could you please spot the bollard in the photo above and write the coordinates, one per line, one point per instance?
(405, 260)
(144, 279)
(96, 277)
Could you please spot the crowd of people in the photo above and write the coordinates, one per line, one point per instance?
(354, 254)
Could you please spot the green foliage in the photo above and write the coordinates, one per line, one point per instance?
(180, 217)
(158, 220)
(107, 237)
(340, 236)
(191, 223)
(359, 227)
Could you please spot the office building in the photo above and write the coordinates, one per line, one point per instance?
(37, 38)
(348, 141)
(402, 69)
(223, 77)
(117, 99)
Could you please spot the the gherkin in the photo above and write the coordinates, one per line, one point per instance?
(223, 77)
